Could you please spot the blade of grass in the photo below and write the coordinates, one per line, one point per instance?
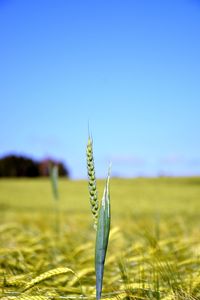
(102, 237)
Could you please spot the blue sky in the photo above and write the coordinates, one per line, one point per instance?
(131, 68)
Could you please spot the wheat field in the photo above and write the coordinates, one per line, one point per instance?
(154, 246)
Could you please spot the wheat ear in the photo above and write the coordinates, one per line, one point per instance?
(46, 275)
(92, 181)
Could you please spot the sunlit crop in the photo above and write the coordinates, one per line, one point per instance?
(153, 250)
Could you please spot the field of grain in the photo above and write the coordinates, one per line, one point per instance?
(153, 252)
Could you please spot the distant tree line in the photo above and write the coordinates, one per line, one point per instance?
(21, 166)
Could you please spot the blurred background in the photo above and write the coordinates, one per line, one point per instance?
(129, 68)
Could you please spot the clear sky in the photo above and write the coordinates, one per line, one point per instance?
(131, 68)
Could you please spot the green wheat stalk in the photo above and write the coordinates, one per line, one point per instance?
(101, 218)
(53, 172)
(102, 237)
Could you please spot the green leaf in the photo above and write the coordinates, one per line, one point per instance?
(102, 237)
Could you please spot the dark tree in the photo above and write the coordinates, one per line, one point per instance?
(20, 166)
(45, 164)
(63, 171)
